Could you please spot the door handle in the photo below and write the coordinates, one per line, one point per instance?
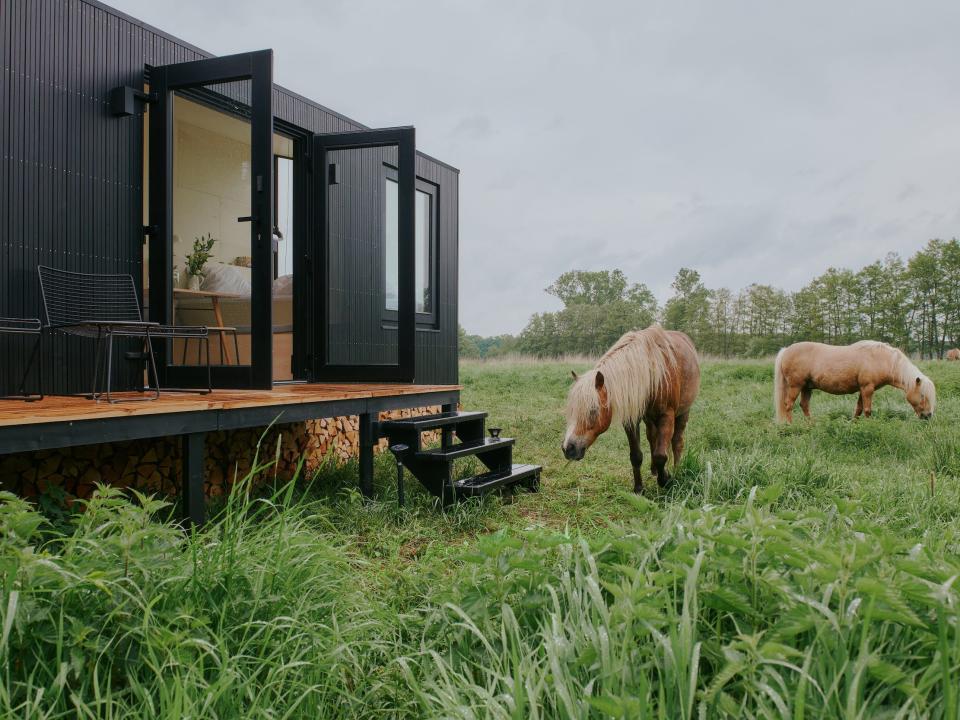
(248, 218)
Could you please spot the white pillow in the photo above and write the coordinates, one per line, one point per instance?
(283, 286)
(219, 277)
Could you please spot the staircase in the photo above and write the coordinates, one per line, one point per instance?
(434, 467)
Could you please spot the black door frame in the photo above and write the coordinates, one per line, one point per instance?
(302, 233)
(404, 139)
(257, 67)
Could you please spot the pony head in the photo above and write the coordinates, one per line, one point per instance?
(922, 395)
(588, 414)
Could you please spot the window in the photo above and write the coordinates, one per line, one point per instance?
(425, 246)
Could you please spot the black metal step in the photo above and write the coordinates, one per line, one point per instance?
(482, 484)
(465, 449)
(423, 423)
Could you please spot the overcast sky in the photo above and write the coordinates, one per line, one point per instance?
(754, 141)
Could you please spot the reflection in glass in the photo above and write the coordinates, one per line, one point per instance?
(422, 230)
(283, 263)
(211, 190)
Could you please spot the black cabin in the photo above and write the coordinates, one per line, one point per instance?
(336, 244)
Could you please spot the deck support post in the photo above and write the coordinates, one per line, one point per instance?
(367, 441)
(191, 457)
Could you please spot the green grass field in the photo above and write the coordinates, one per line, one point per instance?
(806, 572)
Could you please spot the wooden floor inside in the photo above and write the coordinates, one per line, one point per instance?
(57, 409)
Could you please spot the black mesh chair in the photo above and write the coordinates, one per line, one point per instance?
(26, 326)
(104, 307)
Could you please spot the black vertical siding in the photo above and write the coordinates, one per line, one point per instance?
(71, 174)
(437, 350)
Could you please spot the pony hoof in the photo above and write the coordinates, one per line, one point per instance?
(665, 482)
(638, 489)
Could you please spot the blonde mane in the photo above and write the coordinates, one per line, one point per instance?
(903, 369)
(633, 370)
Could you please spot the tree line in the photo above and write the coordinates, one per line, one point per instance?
(912, 304)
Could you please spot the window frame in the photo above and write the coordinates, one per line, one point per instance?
(428, 320)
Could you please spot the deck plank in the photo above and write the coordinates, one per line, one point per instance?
(55, 409)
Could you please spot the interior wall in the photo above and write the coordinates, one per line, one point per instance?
(211, 182)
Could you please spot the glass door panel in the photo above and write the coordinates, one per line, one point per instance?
(211, 216)
(212, 253)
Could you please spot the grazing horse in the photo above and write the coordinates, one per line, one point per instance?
(863, 367)
(650, 376)
(953, 354)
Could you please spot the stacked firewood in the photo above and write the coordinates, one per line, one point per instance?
(153, 465)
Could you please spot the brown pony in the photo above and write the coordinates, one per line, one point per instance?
(863, 367)
(953, 354)
(648, 375)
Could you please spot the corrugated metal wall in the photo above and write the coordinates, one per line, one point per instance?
(71, 174)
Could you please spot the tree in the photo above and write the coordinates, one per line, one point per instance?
(599, 307)
(466, 344)
(913, 305)
(582, 287)
(688, 309)
(924, 271)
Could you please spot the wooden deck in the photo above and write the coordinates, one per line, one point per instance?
(58, 409)
(58, 422)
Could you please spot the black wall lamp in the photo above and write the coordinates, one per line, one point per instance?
(123, 100)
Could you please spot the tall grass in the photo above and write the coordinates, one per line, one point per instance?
(256, 616)
(802, 572)
(704, 613)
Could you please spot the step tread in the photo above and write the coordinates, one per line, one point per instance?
(485, 482)
(465, 449)
(430, 422)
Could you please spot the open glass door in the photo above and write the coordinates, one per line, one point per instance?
(211, 186)
(364, 282)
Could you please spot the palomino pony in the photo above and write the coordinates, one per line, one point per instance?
(648, 375)
(953, 354)
(863, 367)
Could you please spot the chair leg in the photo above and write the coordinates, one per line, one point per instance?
(183, 357)
(40, 363)
(109, 363)
(96, 365)
(206, 343)
(153, 366)
(236, 346)
(37, 349)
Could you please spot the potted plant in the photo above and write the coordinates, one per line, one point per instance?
(197, 260)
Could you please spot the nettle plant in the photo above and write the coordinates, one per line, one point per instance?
(197, 260)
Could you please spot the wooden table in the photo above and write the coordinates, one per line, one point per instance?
(217, 313)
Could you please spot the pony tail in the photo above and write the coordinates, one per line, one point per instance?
(779, 411)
